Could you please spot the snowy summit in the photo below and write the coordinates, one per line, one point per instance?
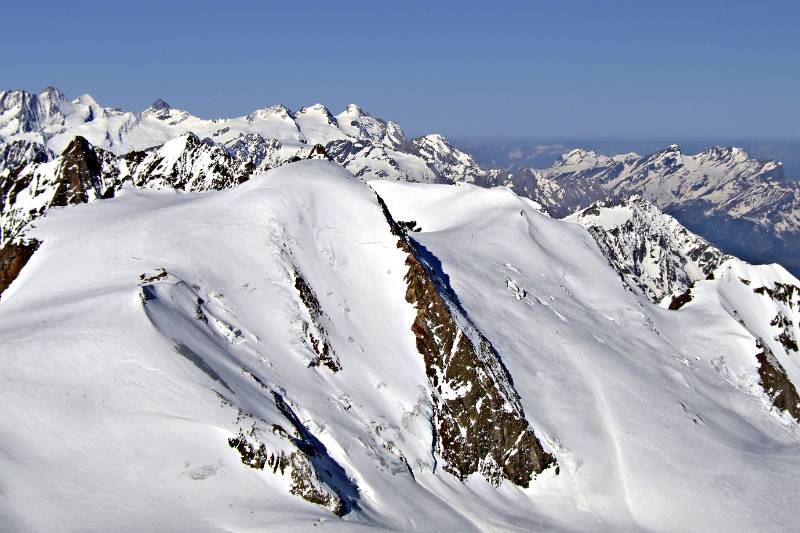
(295, 319)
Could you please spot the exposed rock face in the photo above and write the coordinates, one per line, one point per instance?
(307, 463)
(480, 425)
(776, 383)
(23, 112)
(317, 152)
(19, 153)
(187, 163)
(650, 250)
(789, 296)
(262, 153)
(314, 332)
(680, 300)
(14, 256)
(84, 173)
(80, 171)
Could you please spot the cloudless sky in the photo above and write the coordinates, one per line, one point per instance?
(503, 68)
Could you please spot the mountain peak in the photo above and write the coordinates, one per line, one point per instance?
(52, 94)
(316, 108)
(159, 105)
(580, 159)
(354, 109)
(278, 110)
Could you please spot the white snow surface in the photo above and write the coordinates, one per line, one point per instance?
(56, 120)
(114, 417)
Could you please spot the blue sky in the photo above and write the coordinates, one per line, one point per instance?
(721, 69)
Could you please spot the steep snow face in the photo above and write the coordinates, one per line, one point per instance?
(358, 124)
(318, 125)
(644, 406)
(765, 303)
(650, 250)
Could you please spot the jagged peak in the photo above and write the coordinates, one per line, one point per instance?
(671, 154)
(161, 110)
(613, 213)
(316, 110)
(52, 94)
(436, 139)
(159, 105)
(355, 109)
(580, 152)
(725, 152)
(394, 127)
(15, 95)
(78, 143)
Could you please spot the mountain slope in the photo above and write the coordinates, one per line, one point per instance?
(650, 250)
(304, 359)
(195, 362)
(745, 206)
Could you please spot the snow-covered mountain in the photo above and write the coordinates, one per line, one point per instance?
(745, 206)
(309, 349)
(651, 250)
(264, 322)
(722, 177)
(84, 173)
(742, 205)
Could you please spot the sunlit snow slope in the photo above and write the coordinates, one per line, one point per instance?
(281, 355)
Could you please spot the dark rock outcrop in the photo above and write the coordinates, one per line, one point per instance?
(314, 475)
(81, 170)
(789, 296)
(776, 383)
(314, 333)
(14, 256)
(479, 422)
(681, 300)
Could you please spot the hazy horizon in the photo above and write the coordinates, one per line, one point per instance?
(541, 152)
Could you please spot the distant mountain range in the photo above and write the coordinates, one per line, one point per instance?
(539, 152)
(745, 206)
